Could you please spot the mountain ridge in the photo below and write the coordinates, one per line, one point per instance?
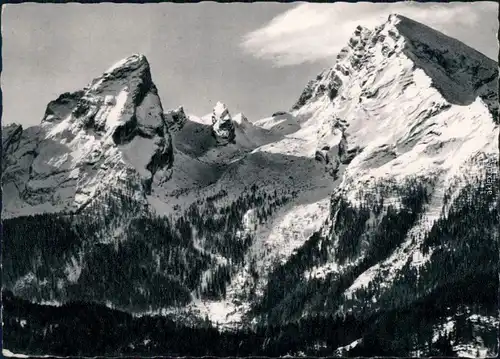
(403, 33)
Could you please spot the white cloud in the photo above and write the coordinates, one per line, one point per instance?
(317, 32)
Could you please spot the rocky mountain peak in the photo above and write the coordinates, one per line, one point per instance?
(222, 124)
(128, 88)
(10, 134)
(377, 193)
(458, 72)
(176, 119)
(133, 71)
(113, 129)
(132, 63)
(220, 111)
(61, 107)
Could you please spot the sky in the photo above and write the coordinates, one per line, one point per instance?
(255, 57)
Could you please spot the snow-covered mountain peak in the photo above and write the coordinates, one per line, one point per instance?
(113, 130)
(222, 124)
(401, 93)
(458, 72)
(135, 62)
(402, 101)
(125, 87)
(220, 111)
(132, 73)
(241, 119)
(387, 150)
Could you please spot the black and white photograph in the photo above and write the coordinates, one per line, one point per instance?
(220, 179)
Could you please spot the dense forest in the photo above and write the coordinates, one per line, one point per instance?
(80, 328)
(289, 293)
(110, 256)
(464, 260)
(154, 260)
(117, 252)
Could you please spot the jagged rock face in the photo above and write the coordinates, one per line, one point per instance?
(176, 119)
(398, 76)
(62, 106)
(113, 130)
(222, 125)
(333, 157)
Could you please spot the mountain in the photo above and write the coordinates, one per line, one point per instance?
(223, 128)
(361, 222)
(408, 119)
(112, 131)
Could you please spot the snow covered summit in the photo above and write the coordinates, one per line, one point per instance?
(458, 72)
(113, 131)
(222, 124)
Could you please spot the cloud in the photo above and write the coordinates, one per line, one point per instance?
(317, 32)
